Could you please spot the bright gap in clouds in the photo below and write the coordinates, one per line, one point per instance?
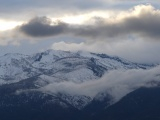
(7, 25)
(84, 18)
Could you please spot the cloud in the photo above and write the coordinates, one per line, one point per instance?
(139, 51)
(129, 34)
(116, 83)
(10, 37)
(142, 22)
(27, 9)
(54, 7)
(41, 27)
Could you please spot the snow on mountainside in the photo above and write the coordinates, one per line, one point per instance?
(63, 85)
(64, 65)
(39, 70)
(16, 67)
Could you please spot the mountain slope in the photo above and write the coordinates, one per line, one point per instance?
(141, 104)
(48, 85)
(74, 66)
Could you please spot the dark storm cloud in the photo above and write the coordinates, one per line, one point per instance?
(143, 22)
(147, 25)
(41, 27)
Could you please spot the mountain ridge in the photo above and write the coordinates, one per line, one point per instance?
(79, 83)
(14, 64)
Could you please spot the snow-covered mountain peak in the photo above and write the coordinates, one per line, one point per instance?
(63, 65)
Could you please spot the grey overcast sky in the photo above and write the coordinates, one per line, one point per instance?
(126, 28)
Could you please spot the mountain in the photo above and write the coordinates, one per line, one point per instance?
(61, 65)
(62, 85)
(141, 104)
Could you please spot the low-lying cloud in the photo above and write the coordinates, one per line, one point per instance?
(132, 50)
(116, 83)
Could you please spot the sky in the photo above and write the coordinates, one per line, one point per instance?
(125, 28)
